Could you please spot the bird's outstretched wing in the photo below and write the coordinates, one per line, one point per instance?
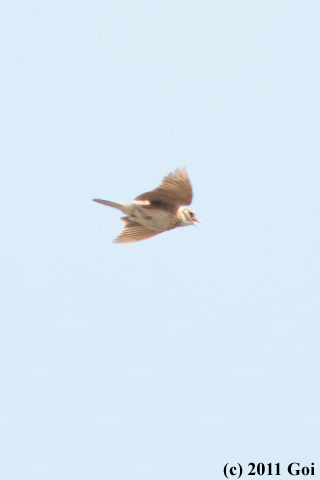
(134, 232)
(175, 190)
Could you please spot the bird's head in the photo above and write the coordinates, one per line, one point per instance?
(188, 217)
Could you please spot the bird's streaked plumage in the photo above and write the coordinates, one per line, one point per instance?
(156, 211)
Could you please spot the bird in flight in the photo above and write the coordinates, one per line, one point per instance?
(157, 211)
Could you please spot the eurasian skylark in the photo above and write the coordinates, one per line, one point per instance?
(157, 211)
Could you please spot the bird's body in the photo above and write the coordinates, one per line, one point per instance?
(148, 215)
(156, 211)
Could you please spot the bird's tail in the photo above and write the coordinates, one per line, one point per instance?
(120, 206)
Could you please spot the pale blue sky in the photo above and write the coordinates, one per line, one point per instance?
(168, 358)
